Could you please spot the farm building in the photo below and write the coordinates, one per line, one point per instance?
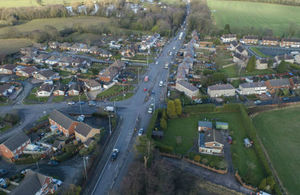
(204, 125)
(222, 125)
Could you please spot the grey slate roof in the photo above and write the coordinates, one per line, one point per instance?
(187, 85)
(83, 129)
(31, 184)
(279, 82)
(61, 119)
(221, 87)
(251, 85)
(16, 140)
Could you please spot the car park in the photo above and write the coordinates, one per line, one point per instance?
(114, 154)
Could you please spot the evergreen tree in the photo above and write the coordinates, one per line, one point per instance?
(178, 107)
(171, 111)
(282, 67)
(163, 124)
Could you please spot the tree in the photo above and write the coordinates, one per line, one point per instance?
(282, 67)
(227, 29)
(263, 184)
(251, 64)
(164, 114)
(178, 107)
(171, 110)
(145, 147)
(163, 124)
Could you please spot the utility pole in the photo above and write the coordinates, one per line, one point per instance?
(109, 125)
(84, 164)
(138, 75)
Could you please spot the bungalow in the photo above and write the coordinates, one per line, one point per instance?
(241, 50)
(210, 142)
(274, 84)
(46, 74)
(80, 61)
(228, 38)
(52, 60)
(5, 89)
(83, 132)
(221, 90)
(27, 71)
(59, 90)
(92, 85)
(8, 69)
(253, 88)
(45, 90)
(290, 43)
(204, 126)
(35, 183)
(269, 41)
(26, 59)
(28, 51)
(54, 45)
(14, 146)
(65, 61)
(250, 39)
(63, 123)
(261, 64)
(111, 72)
(41, 58)
(188, 89)
(74, 89)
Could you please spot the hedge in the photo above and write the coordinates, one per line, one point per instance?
(200, 108)
(152, 122)
(164, 148)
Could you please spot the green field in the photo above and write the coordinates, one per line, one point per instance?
(241, 15)
(29, 3)
(244, 159)
(280, 134)
(9, 46)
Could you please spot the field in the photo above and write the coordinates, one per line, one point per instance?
(280, 134)
(244, 159)
(9, 46)
(258, 15)
(28, 3)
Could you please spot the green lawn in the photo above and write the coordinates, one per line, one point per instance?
(29, 3)
(230, 71)
(58, 99)
(244, 159)
(241, 15)
(114, 90)
(258, 52)
(280, 134)
(32, 98)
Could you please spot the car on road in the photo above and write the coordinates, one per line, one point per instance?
(166, 66)
(114, 154)
(257, 102)
(81, 118)
(53, 162)
(140, 132)
(150, 110)
(92, 103)
(81, 102)
(285, 99)
(3, 172)
(145, 89)
(71, 103)
(170, 53)
(156, 62)
(174, 47)
(161, 83)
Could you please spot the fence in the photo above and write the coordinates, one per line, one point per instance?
(238, 177)
(220, 171)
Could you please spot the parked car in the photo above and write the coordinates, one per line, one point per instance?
(140, 132)
(53, 162)
(145, 89)
(285, 99)
(114, 154)
(150, 110)
(161, 83)
(81, 102)
(257, 102)
(3, 172)
(3, 183)
(71, 103)
(57, 182)
(92, 103)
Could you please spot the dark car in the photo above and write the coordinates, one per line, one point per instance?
(3, 172)
(114, 154)
(53, 163)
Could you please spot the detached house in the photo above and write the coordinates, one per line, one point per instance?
(210, 142)
(59, 90)
(14, 146)
(41, 58)
(45, 90)
(228, 38)
(6, 89)
(221, 90)
(108, 74)
(27, 71)
(274, 84)
(52, 60)
(35, 183)
(74, 89)
(46, 74)
(8, 69)
(83, 132)
(92, 85)
(62, 122)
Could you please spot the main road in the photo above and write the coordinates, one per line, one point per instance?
(134, 111)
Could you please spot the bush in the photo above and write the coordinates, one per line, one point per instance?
(197, 158)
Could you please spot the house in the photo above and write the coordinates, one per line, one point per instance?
(274, 84)
(233, 45)
(41, 58)
(35, 183)
(221, 90)
(188, 89)
(27, 59)
(65, 61)
(104, 53)
(59, 90)
(8, 69)
(210, 142)
(52, 60)
(46, 74)
(54, 45)
(5, 89)
(92, 85)
(27, 71)
(238, 58)
(241, 50)
(58, 145)
(295, 83)
(269, 41)
(250, 40)
(45, 90)
(252, 88)
(111, 72)
(261, 64)
(62, 122)
(204, 126)
(14, 146)
(222, 125)
(28, 51)
(297, 59)
(65, 46)
(83, 132)
(228, 38)
(290, 42)
(74, 89)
